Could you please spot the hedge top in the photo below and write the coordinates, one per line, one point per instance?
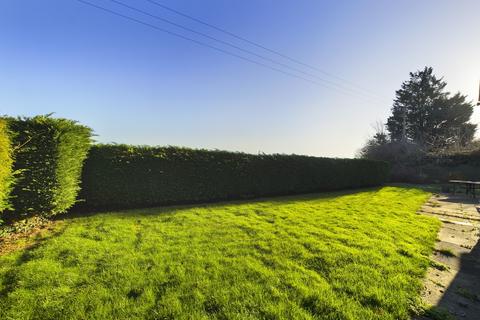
(118, 176)
(49, 158)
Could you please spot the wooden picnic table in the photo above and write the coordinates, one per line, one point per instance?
(470, 186)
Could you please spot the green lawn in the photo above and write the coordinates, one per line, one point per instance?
(350, 255)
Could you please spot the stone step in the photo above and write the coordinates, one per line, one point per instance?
(460, 216)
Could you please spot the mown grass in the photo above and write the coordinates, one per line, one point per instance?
(354, 255)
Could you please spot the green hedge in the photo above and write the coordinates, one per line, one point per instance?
(6, 163)
(49, 155)
(121, 176)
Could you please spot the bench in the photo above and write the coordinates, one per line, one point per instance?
(470, 186)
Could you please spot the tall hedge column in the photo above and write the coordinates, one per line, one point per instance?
(49, 155)
(6, 162)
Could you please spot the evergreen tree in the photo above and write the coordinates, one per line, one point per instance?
(425, 113)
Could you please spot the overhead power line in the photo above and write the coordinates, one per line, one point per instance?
(208, 45)
(339, 86)
(195, 41)
(258, 45)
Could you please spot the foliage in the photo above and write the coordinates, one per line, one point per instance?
(122, 176)
(409, 163)
(6, 166)
(343, 255)
(374, 148)
(425, 114)
(394, 152)
(428, 131)
(404, 158)
(49, 154)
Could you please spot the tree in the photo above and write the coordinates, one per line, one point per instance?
(426, 114)
(373, 144)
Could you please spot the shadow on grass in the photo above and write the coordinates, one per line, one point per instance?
(83, 211)
(174, 208)
(10, 278)
(432, 188)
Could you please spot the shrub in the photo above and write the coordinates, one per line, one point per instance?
(6, 163)
(122, 176)
(49, 154)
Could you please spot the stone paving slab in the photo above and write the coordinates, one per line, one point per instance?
(453, 282)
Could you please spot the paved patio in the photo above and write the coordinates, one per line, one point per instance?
(455, 289)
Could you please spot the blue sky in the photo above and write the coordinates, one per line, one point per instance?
(133, 84)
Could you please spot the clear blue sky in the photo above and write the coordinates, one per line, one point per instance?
(133, 84)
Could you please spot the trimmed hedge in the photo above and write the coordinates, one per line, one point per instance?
(6, 166)
(49, 155)
(122, 176)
